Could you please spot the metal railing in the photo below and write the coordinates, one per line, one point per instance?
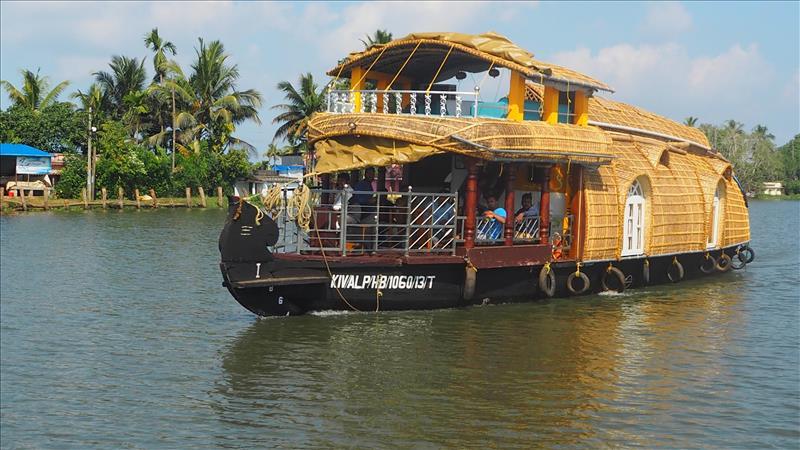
(427, 103)
(526, 231)
(350, 222)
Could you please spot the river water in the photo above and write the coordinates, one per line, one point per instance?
(117, 333)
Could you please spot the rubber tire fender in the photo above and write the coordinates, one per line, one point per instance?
(620, 279)
(723, 263)
(680, 273)
(547, 281)
(579, 275)
(738, 262)
(707, 268)
(751, 255)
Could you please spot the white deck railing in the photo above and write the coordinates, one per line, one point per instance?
(427, 103)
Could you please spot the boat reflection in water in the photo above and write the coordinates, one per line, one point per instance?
(645, 368)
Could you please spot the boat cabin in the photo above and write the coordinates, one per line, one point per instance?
(467, 146)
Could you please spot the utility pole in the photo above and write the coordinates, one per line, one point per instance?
(89, 161)
(173, 130)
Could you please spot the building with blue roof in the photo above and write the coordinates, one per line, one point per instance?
(20, 159)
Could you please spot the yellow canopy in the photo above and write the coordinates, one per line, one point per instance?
(351, 152)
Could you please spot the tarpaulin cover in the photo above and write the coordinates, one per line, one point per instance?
(350, 152)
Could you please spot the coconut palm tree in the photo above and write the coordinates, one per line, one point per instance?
(300, 106)
(690, 121)
(34, 93)
(379, 37)
(160, 48)
(761, 131)
(127, 75)
(209, 106)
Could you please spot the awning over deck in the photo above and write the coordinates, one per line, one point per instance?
(352, 141)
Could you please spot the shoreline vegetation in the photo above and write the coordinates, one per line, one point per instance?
(176, 128)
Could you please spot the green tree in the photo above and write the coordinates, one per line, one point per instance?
(209, 104)
(35, 92)
(54, 128)
(378, 37)
(160, 48)
(690, 121)
(127, 75)
(300, 106)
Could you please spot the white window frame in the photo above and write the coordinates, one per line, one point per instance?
(634, 221)
(716, 207)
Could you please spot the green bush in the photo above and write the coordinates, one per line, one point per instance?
(793, 187)
(73, 177)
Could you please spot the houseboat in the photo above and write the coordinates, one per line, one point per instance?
(542, 188)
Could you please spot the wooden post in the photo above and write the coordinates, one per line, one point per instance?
(66, 205)
(188, 197)
(136, 194)
(202, 196)
(47, 199)
(2, 197)
(85, 199)
(511, 169)
(120, 197)
(219, 197)
(22, 197)
(471, 203)
(155, 199)
(104, 197)
(544, 209)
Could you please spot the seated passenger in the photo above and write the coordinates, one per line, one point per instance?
(493, 229)
(527, 211)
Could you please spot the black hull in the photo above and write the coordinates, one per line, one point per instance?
(281, 285)
(433, 286)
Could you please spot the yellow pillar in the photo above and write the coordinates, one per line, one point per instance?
(516, 97)
(581, 108)
(381, 86)
(550, 106)
(357, 84)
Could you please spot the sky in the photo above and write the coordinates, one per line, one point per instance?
(712, 60)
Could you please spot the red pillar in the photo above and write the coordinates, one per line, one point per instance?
(509, 227)
(544, 209)
(471, 203)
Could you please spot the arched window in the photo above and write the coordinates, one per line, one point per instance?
(714, 230)
(634, 226)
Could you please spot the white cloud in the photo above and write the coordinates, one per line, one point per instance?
(666, 18)
(735, 83)
(78, 68)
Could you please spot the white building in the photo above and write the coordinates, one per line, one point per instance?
(773, 188)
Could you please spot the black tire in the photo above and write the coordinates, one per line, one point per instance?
(675, 271)
(547, 281)
(747, 255)
(584, 287)
(708, 266)
(723, 263)
(738, 262)
(618, 275)
(646, 273)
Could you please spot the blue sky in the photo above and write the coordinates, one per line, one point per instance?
(712, 60)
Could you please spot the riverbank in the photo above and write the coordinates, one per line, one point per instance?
(24, 203)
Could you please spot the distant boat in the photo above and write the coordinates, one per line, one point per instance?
(579, 193)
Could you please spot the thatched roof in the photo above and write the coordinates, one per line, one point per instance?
(605, 111)
(679, 193)
(470, 53)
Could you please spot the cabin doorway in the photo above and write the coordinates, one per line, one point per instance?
(633, 233)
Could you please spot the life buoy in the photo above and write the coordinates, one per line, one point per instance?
(558, 246)
(723, 263)
(578, 275)
(616, 273)
(646, 272)
(547, 281)
(675, 271)
(709, 265)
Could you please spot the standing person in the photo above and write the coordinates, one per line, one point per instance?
(366, 198)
